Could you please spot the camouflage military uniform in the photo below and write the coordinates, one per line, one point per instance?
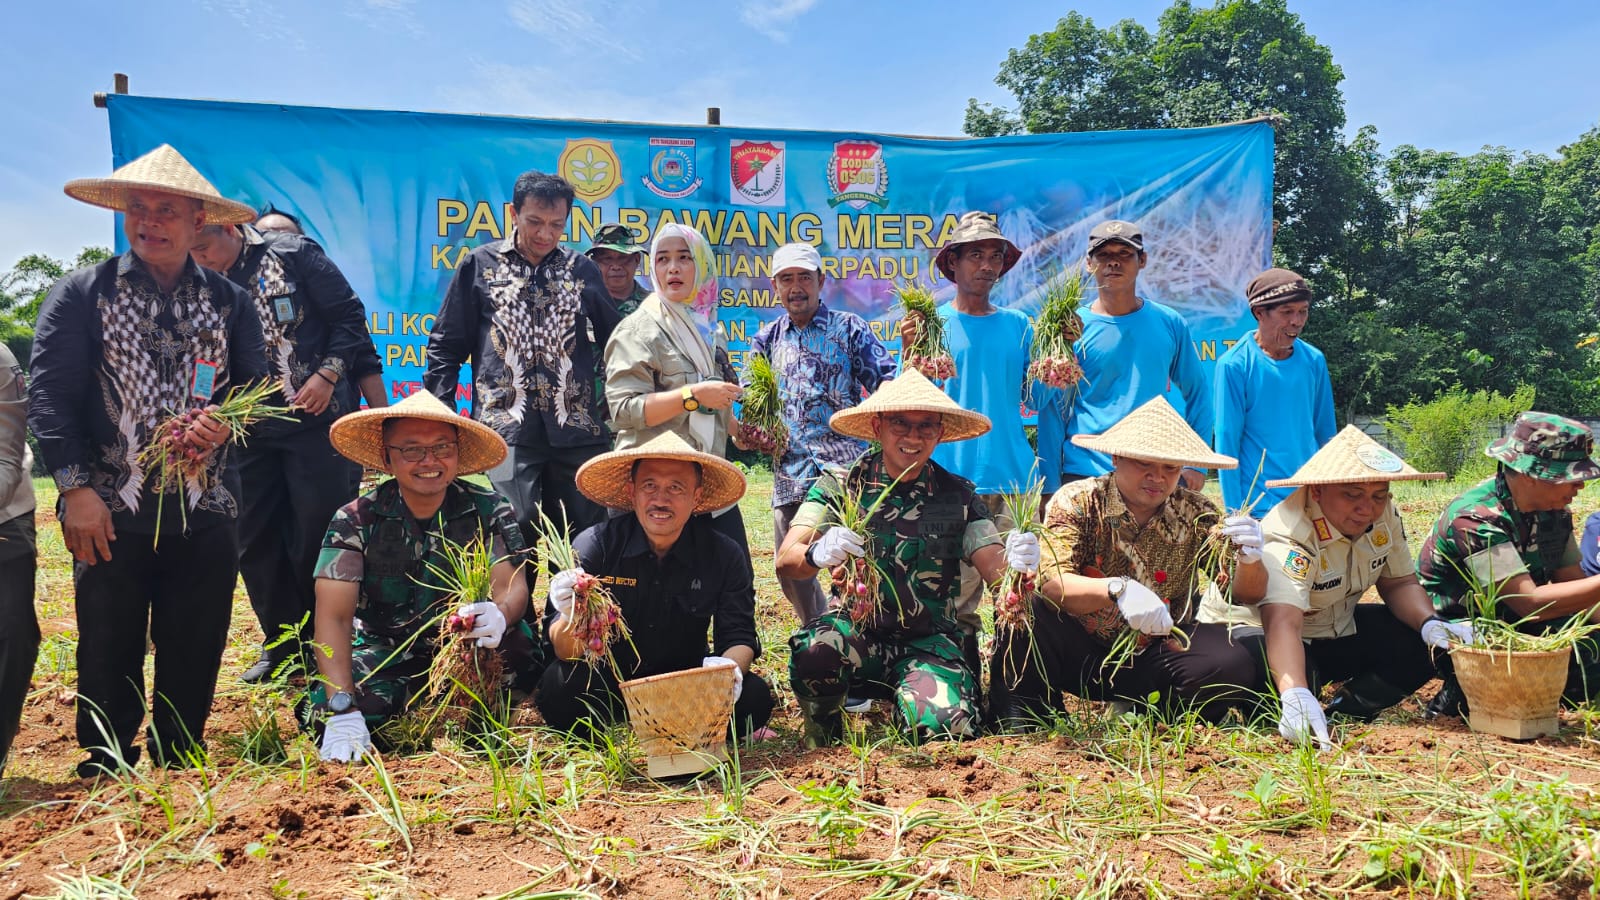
(1482, 538)
(910, 644)
(375, 541)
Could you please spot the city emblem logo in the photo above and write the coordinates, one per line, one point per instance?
(755, 173)
(857, 174)
(671, 172)
(1378, 459)
(592, 167)
(1296, 565)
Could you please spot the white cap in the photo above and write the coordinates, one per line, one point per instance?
(796, 256)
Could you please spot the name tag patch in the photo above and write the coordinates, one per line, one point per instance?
(204, 383)
(283, 309)
(1328, 585)
(1378, 563)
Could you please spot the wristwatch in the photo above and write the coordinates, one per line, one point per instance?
(1116, 587)
(341, 702)
(689, 402)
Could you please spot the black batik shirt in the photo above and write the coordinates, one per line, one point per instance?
(113, 357)
(311, 319)
(669, 604)
(535, 336)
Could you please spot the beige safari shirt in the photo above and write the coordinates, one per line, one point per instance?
(642, 360)
(1313, 567)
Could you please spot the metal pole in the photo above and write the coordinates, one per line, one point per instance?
(713, 115)
(119, 84)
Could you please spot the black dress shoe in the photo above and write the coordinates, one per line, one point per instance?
(268, 666)
(1450, 701)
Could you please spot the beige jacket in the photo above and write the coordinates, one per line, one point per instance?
(16, 460)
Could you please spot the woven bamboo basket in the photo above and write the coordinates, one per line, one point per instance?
(1514, 695)
(681, 718)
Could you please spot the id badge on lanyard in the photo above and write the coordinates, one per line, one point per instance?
(204, 383)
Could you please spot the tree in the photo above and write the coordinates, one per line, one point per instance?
(23, 289)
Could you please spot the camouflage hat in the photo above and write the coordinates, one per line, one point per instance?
(614, 237)
(973, 227)
(1547, 447)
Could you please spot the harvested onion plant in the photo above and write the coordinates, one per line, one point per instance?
(181, 468)
(761, 408)
(1130, 643)
(597, 622)
(1058, 328)
(1218, 555)
(1013, 595)
(1496, 634)
(858, 582)
(463, 675)
(927, 353)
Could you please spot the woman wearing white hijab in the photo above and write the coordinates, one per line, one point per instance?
(667, 364)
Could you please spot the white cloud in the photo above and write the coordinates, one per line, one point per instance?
(774, 19)
(569, 25)
(566, 93)
(261, 21)
(388, 14)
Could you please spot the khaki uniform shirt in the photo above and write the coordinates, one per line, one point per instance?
(1313, 567)
(642, 360)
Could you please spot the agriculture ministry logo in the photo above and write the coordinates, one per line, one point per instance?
(857, 174)
(592, 167)
(755, 173)
(671, 168)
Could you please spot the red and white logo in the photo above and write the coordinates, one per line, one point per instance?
(756, 173)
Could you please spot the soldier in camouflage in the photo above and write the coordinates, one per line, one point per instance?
(378, 606)
(903, 640)
(615, 252)
(1514, 531)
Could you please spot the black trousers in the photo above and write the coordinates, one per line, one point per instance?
(182, 594)
(291, 484)
(543, 479)
(19, 626)
(1028, 673)
(580, 699)
(1383, 646)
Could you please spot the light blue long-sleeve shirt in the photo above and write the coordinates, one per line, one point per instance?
(1282, 408)
(991, 357)
(1126, 361)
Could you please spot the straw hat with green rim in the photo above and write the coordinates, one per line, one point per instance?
(1352, 458)
(359, 435)
(910, 391)
(1156, 433)
(606, 479)
(162, 169)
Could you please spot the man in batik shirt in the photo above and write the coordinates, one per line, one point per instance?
(533, 318)
(291, 480)
(1121, 553)
(903, 640)
(120, 346)
(826, 360)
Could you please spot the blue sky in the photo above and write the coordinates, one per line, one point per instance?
(1446, 75)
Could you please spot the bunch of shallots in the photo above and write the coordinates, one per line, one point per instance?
(927, 352)
(858, 582)
(1054, 362)
(596, 619)
(761, 409)
(462, 676)
(1013, 595)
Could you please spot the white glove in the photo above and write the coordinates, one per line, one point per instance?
(712, 662)
(488, 623)
(562, 591)
(1245, 533)
(1302, 719)
(345, 737)
(1144, 610)
(1441, 633)
(1022, 552)
(836, 544)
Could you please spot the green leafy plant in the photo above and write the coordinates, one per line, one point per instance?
(1058, 328)
(1448, 433)
(928, 353)
(761, 408)
(836, 819)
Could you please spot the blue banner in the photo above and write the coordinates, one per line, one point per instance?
(398, 199)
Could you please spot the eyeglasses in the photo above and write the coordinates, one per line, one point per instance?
(441, 452)
(901, 428)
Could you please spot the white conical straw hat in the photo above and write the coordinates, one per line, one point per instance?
(1351, 457)
(359, 435)
(910, 391)
(162, 169)
(607, 479)
(1156, 433)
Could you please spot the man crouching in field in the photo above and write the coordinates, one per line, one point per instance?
(894, 528)
(1122, 553)
(378, 603)
(673, 576)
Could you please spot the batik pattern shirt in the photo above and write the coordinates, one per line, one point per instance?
(114, 357)
(534, 335)
(1482, 536)
(1091, 532)
(311, 319)
(376, 542)
(917, 538)
(822, 368)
